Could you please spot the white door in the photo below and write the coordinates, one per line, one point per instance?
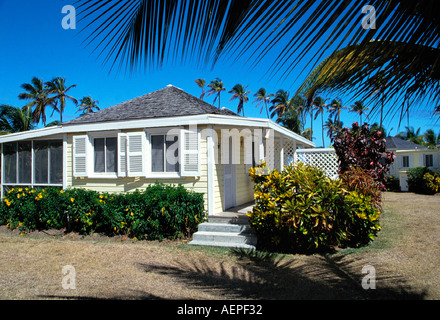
(229, 182)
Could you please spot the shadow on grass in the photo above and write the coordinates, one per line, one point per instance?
(268, 276)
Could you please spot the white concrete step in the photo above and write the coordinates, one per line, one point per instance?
(224, 227)
(224, 235)
(230, 237)
(224, 244)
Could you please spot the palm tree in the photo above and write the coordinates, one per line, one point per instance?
(360, 109)
(411, 135)
(201, 83)
(216, 87)
(58, 88)
(290, 119)
(87, 104)
(430, 139)
(308, 107)
(39, 99)
(336, 108)
(320, 106)
(287, 110)
(308, 134)
(15, 119)
(141, 32)
(333, 127)
(281, 103)
(239, 92)
(261, 97)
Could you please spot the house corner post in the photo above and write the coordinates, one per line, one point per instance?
(65, 161)
(211, 162)
(282, 153)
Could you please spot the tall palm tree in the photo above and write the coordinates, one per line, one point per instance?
(308, 108)
(15, 119)
(282, 102)
(336, 108)
(216, 87)
(287, 110)
(141, 32)
(38, 96)
(239, 92)
(333, 127)
(320, 107)
(290, 119)
(360, 109)
(412, 135)
(201, 83)
(430, 139)
(87, 104)
(262, 98)
(58, 88)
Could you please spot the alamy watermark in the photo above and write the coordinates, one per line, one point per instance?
(369, 21)
(369, 281)
(69, 279)
(69, 20)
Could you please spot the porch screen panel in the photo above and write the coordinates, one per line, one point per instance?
(41, 161)
(56, 162)
(24, 162)
(10, 162)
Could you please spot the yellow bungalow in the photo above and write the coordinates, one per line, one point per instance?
(167, 136)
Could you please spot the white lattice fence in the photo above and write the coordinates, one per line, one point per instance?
(324, 159)
(289, 152)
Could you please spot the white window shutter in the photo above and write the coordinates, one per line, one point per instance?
(135, 154)
(122, 155)
(80, 156)
(190, 153)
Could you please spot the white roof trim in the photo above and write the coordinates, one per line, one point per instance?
(207, 119)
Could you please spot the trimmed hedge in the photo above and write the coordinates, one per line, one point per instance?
(159, 212)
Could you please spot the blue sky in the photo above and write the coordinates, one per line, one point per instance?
(33, 43)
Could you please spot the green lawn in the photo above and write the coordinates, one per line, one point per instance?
(405, 257)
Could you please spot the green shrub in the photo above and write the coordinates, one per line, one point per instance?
(300, 210)
(392, 184)
(157, 213)
(359, 180)
(423, 180)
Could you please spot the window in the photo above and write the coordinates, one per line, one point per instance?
(106, 155)
(10, 162)
(164, 154)
(405, 161)
(46, 163)
(24, 162)
(429, 160)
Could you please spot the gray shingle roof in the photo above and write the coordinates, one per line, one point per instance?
(394, 143)
(167, 102)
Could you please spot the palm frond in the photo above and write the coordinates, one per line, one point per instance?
(386, 67)
(146, 33)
